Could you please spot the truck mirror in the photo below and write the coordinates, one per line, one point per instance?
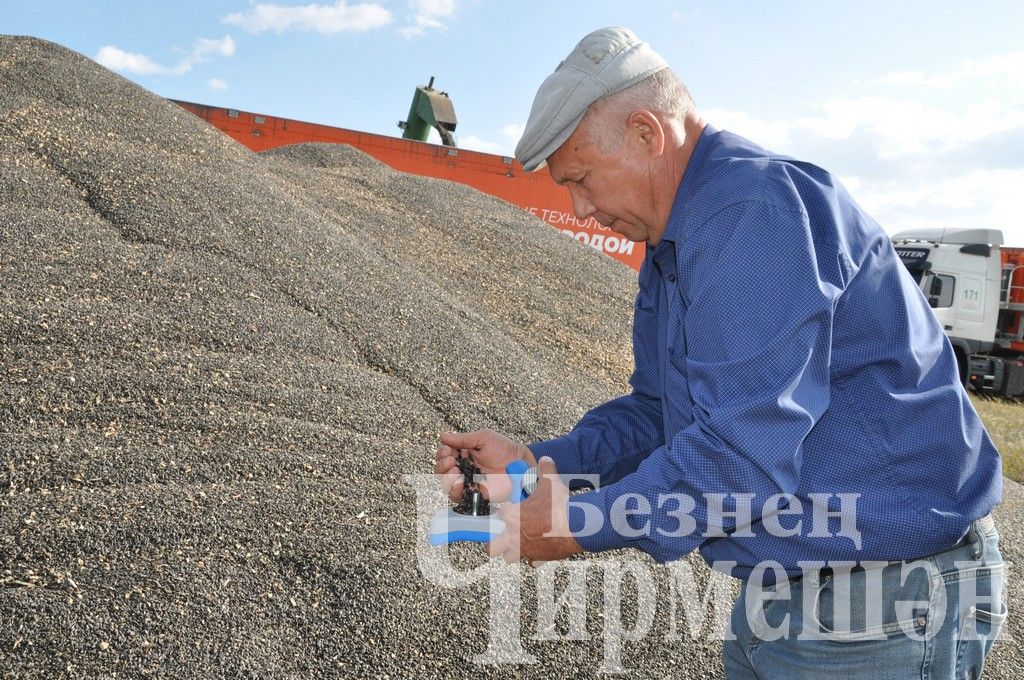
(933, 302)
(936, 287)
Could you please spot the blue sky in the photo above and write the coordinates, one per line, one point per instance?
(917, 106)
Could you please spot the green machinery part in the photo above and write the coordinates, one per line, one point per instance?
(430, 109)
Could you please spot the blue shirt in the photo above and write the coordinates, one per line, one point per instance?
(780, 347)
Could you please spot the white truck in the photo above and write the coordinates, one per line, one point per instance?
(975, 286)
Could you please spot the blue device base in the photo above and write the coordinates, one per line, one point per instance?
(449, 526)
(454, 536)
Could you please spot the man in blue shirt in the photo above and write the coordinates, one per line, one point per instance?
(795, 406)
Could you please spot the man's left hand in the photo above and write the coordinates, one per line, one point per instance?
(538, 527)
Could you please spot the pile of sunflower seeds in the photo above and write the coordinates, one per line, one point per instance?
(218, 368)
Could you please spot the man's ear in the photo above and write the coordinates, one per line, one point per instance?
(645, 127)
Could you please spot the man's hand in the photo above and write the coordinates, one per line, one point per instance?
(490, 451)
(538, 527)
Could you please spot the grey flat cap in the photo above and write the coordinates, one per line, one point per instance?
(603, 63)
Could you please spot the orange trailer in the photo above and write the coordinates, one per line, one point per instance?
(1013, 266)
(1012, 317)
(499, 176)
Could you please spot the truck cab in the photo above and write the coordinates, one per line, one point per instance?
(971, 283)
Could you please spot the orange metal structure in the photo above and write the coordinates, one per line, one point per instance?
(499, 176)
(1013, 262)
(1011, 319)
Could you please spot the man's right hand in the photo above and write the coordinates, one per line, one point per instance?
(490, 451)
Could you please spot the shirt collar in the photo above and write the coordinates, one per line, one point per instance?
(688, 185)
(664, 254)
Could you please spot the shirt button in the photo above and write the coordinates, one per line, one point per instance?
(671, 278)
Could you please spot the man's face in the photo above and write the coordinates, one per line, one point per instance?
(612, 185)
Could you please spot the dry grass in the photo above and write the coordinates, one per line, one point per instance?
(1004, 419)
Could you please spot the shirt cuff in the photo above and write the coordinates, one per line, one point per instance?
(565, 453)
(590, 522)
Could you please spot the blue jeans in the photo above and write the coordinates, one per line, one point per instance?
(936, 617)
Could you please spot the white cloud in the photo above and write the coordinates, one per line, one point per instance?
(328, 19)
(774, 135)
(985, 198)
(506, 147)
(474, 143)
(852, 183)
(425, 15)
(513, 132)
(217, 84)
(916, 149)
(978, 98)
(1008, 69)
(117, 59)
(204, 46)
(908, 126)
